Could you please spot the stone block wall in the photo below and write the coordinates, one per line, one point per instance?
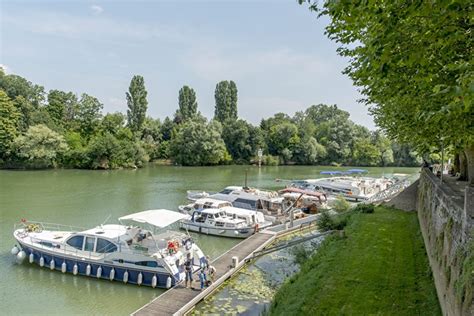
(447, 223)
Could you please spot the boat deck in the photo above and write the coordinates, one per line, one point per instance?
(179, 297)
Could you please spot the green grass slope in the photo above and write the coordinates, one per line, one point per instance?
(380, 268)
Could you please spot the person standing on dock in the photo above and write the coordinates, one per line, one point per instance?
(188, 269)
(202, 278)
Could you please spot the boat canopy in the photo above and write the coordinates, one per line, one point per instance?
(158, 218)
(331, 172)
(357, 171)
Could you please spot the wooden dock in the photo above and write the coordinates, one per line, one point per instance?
(180, 300)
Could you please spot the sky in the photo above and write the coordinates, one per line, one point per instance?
(274, 50)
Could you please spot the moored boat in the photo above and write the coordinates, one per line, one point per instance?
(139, 250)
(214, 221)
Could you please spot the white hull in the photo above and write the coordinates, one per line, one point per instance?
(216, 231)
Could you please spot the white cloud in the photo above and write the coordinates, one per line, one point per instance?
(96, 9)
(6, 69)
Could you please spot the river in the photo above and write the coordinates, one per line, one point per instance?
(87, 198)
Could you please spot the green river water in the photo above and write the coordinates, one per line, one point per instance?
(86, 198)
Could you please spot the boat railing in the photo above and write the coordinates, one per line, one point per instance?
(40, 226)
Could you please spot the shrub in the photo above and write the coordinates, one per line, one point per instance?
(270, 160)
(325, 222)
(365, 208)
(300, 254)
(341, 205)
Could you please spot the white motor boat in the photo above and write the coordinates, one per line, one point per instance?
(348, 184)
(201, 204)
(139, 250)
(249, 216)
(193, 195)
(214, 221)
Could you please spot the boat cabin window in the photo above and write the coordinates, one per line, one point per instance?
(152, 264)
(89, 244)
(76, 242)
(226, 191)
(105, 246)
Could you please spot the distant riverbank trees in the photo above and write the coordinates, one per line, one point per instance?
(58, 129)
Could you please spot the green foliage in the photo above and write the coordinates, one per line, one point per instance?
(9, 121)
(325, 222)
(300, 254)
(357, 275)
(40, 147)
(309, 152)
(197, 144)
(366, 154)
(341, 205)
(323, 134)
(282, 140)
(226, 101)
(106, 151)
(61, 107)
(137, 104)
(419, 96)
(15, 86)
(187, 103)
(364, 208)
(88, 115)
(270, 160)
(242, 140)
(328, 222)
(113, 122)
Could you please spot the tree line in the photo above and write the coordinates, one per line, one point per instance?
(60, 129)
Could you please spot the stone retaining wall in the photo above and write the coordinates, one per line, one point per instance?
(447, 222)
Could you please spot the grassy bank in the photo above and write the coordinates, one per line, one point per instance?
(379, 268)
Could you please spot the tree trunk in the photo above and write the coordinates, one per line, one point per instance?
(456, 164)
(469, 151)
(462, 166)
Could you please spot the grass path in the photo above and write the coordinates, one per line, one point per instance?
(381, 268)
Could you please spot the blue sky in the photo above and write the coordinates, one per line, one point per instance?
(275, 51)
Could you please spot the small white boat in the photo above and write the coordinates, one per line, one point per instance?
(214, 221)
(194, 195)
(141, 252)
(201, 204)
(352, 188)
(249, 216)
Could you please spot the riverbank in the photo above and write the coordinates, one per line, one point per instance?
(380, 267)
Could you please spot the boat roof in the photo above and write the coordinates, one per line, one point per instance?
(357, 171)
(158, 218)
(109, 231)
(209, 201)
(331, 172)
(301, 191)
(238, 210)
(211, 210)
